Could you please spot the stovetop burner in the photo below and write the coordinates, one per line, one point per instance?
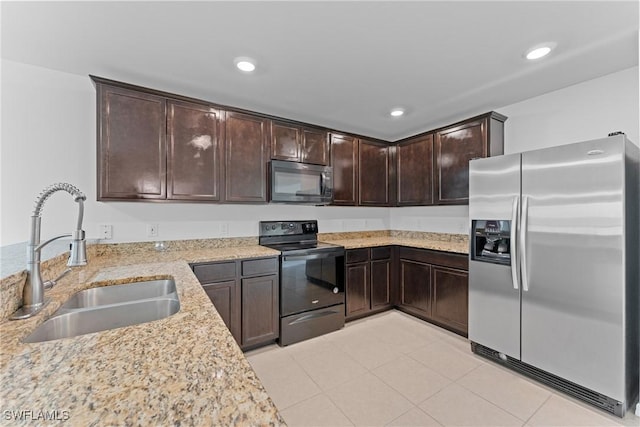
(305, 246)
(292, 236)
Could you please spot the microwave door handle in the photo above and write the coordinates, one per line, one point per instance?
(323, 185)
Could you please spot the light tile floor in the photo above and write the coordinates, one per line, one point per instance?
(394, 370)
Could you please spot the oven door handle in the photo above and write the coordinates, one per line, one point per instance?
(310, 256)
(316, 315)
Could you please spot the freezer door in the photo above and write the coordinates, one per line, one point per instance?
(494, 297)
(572, 263)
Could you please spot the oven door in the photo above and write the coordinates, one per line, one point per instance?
(311, 281)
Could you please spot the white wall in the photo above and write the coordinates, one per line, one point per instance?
(588, 110)
(48, 135)
(584, 111)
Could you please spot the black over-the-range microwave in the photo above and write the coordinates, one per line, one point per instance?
(295, 182)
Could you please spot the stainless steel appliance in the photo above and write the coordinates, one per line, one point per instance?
(294, 182)
(553, 267)
(311, 279)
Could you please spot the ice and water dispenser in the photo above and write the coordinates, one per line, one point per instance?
(491, 241)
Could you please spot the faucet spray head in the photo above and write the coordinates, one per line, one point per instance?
(78, 254)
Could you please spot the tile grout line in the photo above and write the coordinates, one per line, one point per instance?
(538, 409)
(340, 409)
(490, 402)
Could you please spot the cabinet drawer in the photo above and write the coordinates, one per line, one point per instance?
(383, 252)
(446, 259)
(259, 266)
(357, 255)
(215, 272)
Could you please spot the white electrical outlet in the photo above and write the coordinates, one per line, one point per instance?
(152, 230)
(224, 229)
(105, 231)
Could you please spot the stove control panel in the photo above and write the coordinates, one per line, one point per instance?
(287, 228)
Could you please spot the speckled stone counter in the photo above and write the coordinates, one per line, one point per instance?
(457, 243)
(185, 369)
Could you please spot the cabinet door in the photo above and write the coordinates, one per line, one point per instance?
(380, 283)
(373, 162)
(415, 287)
(225, 296)
(131, 145)
(415, 171)
(246, 158)
(194, 152)
(315, 147)
(357, 289)
(454, 147)
(260, 313)
(285, 141)
(344, 160)
(450, 297)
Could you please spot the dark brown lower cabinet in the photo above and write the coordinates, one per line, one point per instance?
(415, 287)
(225, 296)
(381, 283)
(368, 281)
(246, 295)
(434, 286)
(357, 289)
(450, 303)
(260, 315)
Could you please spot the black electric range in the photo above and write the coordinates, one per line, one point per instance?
(311, 279)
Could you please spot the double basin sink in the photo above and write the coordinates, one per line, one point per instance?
(109, 307)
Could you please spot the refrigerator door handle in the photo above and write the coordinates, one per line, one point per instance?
(523, 243)
(513, 243)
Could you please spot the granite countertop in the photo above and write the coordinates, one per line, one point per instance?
(185, 369)
(455, 243)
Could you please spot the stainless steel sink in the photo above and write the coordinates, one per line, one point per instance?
(109, 307)
(102, 318)
(116, 294)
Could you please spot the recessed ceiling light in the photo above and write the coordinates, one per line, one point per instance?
(539, 51)
(396, 112)
(245, 64)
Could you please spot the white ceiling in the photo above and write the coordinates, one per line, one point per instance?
(342, 65)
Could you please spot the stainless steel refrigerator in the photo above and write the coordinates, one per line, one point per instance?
(553, 267)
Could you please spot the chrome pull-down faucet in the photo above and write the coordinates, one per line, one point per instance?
(33, 295)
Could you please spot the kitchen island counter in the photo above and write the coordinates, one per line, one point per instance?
(185, 369)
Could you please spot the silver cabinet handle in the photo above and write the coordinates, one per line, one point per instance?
(523, 243)
(513, 242)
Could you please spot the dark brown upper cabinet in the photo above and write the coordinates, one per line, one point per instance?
(315, 146)
(194, 156)
(344, 160)
(455, 146)
(131, 144)
(155, 146)
(246, 151)
(285, 141)
(373, 173)
(299, 144)
(414, 159)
